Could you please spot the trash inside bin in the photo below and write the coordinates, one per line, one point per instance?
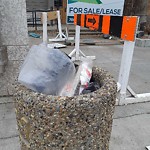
(82, 79)
(46, 70)
(93, 86)
(82, 122)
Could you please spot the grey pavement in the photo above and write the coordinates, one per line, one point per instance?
(131, 124)
(131, 127)
(9, 139)
(130, 131)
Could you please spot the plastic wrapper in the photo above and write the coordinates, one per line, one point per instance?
(86, 73)
(46, 70)
(80, 84)
(70, 88)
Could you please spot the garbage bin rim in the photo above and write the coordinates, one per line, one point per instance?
(106, 89)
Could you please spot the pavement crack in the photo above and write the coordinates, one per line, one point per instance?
(13, 136)
(6, 96)
(129, 116)
(6, 103)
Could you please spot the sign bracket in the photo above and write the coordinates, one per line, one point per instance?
(77, 50)
(61, 36)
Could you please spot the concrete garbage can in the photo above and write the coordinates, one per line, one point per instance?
(82, 122)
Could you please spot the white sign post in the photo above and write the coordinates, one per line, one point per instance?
(101, 7)
(126, 62)
(77, 50)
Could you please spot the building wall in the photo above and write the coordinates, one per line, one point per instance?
(63, 11)
(148, 8)
(39, 4)
(139, 8)
(13, 23)
(135, 7)
(13, 36)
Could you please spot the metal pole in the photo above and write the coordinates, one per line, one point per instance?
(44, 27)
(59, 24)
(125, 67)
(77, 42)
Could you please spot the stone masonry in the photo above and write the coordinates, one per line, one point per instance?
(13, 36)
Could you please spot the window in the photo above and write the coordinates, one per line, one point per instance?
(58, 3)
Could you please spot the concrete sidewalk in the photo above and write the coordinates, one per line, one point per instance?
(131, 126)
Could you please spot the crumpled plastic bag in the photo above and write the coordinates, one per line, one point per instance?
(46, 70)
(86, 73)
(81, 80)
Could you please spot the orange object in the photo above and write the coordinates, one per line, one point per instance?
(88, 22)
(129, 28)
(96, 25)
(126, 25)
(82, 20)
(75, 19)
(92, 21)
(106, 24)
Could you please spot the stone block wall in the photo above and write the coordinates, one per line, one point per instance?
(14, 36)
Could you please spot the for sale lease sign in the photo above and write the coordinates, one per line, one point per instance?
(101, 7)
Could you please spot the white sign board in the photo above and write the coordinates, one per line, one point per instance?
(103, 7)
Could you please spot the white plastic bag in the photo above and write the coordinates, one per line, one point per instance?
(82, 76)
(46, 70)
(70, 88)
(86, 73)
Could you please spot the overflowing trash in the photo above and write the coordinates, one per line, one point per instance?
(81, 83)
(50, 71)
(86, 74)
(46, 70)
(70, 88)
